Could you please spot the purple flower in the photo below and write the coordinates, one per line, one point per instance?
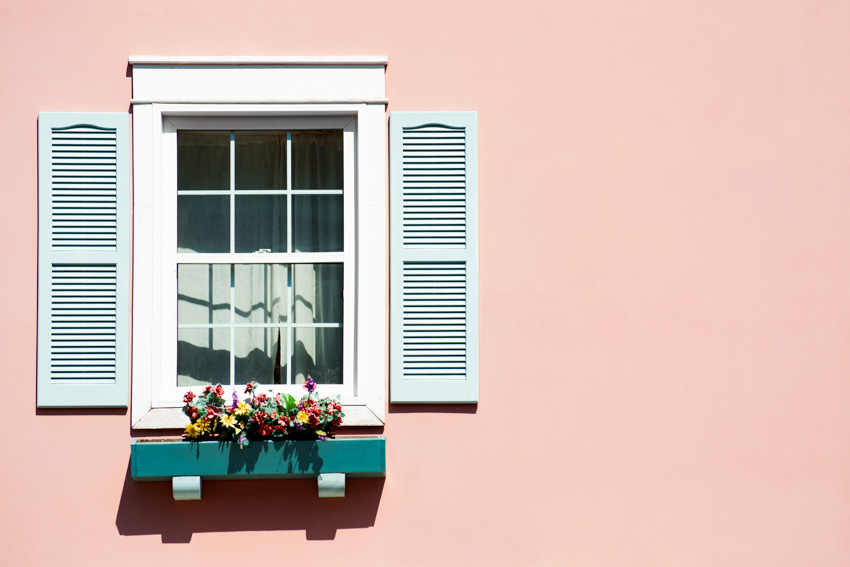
(235, 399)
(310, 385)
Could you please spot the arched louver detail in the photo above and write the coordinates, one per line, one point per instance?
(434, 186)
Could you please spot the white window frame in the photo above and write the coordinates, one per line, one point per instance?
(168, 391)
(313, 91)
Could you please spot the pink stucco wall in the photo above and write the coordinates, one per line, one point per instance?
(665, 290)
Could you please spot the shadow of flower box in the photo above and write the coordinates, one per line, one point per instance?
(153, 459)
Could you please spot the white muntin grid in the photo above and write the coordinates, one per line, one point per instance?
(263, 257)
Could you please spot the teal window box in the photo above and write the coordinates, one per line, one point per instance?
(187, 463)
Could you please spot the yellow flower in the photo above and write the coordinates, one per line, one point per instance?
(228, 421)
(302, 416)
(243, 409)
(191, 430)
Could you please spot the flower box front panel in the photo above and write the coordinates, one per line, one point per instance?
(216, 460)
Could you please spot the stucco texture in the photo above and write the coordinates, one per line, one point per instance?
(664, 291)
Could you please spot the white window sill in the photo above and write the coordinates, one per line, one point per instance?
(356, 415)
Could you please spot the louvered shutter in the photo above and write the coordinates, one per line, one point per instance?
(433, 257)
(83, 260)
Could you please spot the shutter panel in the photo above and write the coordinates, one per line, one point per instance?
(83, 260)
(433, 257)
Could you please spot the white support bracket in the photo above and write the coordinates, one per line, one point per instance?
(186, 487)
(332, 485)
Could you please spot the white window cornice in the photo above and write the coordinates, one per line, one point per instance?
(257, 60)
(271, 80)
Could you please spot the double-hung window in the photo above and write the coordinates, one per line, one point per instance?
(263, 252)
(260, 231)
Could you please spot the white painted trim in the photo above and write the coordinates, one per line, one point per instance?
(267, 258)
(257, 60)
(150, 123)
(383, 101)
(356, 415)
(147, 130)
(252, 115)
(274, 83)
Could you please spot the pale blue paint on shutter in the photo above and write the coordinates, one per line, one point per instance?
(83, 259)
(433, 257)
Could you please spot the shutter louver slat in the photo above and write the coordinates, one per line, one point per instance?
(76, 177)
(434, 262)
(83, 326)
(433, 177)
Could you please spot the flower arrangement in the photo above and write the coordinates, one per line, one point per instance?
(260, 416)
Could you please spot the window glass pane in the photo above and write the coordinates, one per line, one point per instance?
(203, 294)
(203, 161)
(318, 354)
(203, 223)
(317, 222)
(317, 159)
(258, 355)
(261, 293)
(260, 223)
(317, 293)
(260, 160)
(203, 356)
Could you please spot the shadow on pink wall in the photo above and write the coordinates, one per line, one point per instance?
(434, 408)
(246, 505)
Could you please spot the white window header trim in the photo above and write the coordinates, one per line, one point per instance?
(206, 82)
(257, 60)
